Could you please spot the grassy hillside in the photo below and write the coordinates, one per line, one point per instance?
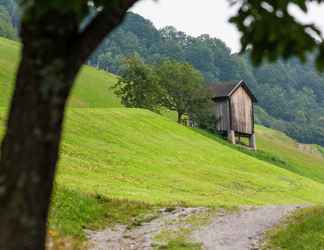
(303, 230)
(137, 155)
(112, 154)
(91, 90)
(306, 160)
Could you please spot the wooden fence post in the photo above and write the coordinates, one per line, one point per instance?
(231, 136)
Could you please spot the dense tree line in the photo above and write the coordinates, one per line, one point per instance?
(12, 8)
(6, 27)
(139, 36)
(8, 19)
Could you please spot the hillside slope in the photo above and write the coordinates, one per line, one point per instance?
(304, 159)
(137, 155)
(91, 90)
(112, 157)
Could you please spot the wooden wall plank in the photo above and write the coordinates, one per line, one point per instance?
(242, 111)
(222, 115)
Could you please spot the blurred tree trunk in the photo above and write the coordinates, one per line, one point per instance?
(180, 114)
(29, 150)
(53, 52)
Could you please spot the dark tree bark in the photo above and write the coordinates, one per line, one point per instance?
(53, 52)
(180, 114)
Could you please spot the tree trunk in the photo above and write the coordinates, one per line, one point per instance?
(29, 150)
(180, 117)
(54, 49)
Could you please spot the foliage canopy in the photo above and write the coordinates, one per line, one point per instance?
(271, 30)
(173, 85)
(138, 85)
(183, 85)
(6, 28)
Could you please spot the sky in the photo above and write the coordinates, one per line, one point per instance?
(196, 17)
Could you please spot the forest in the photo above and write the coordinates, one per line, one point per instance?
(290, 93)
(8, 19)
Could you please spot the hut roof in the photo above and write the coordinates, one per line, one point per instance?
(222, 90)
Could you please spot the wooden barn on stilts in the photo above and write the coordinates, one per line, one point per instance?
(234, 110)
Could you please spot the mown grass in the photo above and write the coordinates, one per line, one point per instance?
(277, 148)
(304, 230)
(92, 88)
(243, 147)
(305, 160)
(141, 156)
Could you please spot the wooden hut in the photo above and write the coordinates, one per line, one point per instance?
(234, 110)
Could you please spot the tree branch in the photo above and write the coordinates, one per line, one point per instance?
(102, 24)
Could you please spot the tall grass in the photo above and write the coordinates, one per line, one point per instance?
(304, 230)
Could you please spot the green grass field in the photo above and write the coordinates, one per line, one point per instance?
(92, 88)
(118, 163)
(304, 230)
(137, 155)
(306, 160)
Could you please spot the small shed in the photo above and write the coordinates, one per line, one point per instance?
(234, 110)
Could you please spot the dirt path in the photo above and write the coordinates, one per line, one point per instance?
(140, 237)
(236, 231)
(243, 230)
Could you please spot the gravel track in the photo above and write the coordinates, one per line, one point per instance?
(140, 237)
(243, 230)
